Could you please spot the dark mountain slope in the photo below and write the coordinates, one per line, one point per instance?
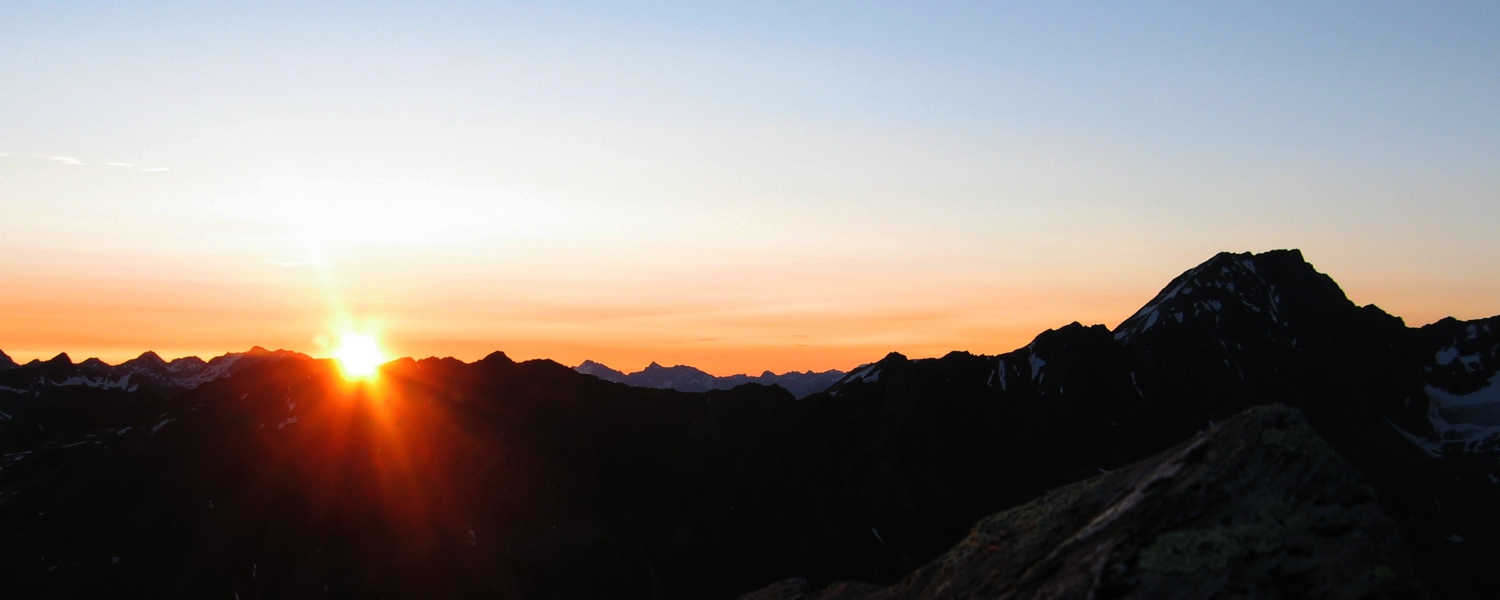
(57, 385)
(1240, 329)
(148, 371)
(281, 479)
(1256, 328)
(449, 479)
(1257, 507)
(1235, 332)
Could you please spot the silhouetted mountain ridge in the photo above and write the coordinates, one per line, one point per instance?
(23, 386)
(505, 479)
(684, 378)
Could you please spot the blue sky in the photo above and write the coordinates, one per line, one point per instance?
(917, 177)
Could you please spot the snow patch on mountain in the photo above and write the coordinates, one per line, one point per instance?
(1465, 423)
(998, 375)
(866, 373)
(1226, 285)
(1036, 364)
(147, 370)
(97, 382)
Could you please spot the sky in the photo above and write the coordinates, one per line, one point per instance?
(740, 187)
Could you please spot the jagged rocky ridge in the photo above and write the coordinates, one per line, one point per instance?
(148, 369)
(689, 379)
(24, 386)
(1255, 507)
(532, 480)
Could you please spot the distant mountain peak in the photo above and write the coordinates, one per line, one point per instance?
(186, 363)
(1274, 289)
(868, 373)
(686, 378)
(150, 362)
(166, 378)
(497, 357)
(600, 370)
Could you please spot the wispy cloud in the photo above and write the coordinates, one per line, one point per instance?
(69, 160)
(298, 263)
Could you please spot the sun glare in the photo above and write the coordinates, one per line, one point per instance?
(359, 356)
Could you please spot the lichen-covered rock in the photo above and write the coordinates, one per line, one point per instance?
(1257, 507)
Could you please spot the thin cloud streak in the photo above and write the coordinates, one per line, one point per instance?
(69, 160)
(299, 263)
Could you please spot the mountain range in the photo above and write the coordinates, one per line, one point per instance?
(689, 379)
(504, 479)
(183, 374)
(146, 371)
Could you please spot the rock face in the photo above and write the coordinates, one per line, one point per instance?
(1259, 507)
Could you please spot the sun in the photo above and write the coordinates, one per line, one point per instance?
(359, 356)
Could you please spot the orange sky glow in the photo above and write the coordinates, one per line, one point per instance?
(737, 188)
(744, 327)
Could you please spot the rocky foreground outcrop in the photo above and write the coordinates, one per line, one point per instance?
(1257, 507)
